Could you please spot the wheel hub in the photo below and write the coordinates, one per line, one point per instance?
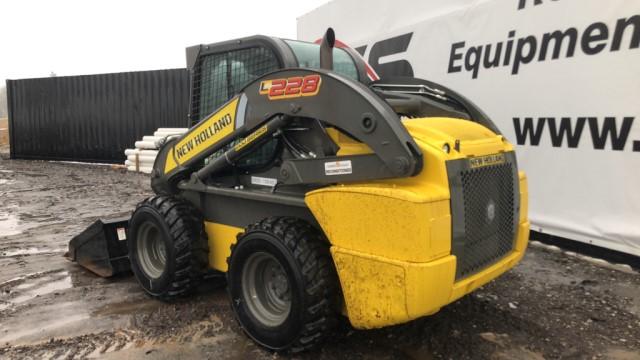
(151, 250)
(266, 289)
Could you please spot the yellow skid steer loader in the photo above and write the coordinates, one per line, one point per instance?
(320, 192)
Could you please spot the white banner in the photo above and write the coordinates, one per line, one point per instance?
(561, 79)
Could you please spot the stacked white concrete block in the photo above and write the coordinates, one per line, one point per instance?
(142, 157)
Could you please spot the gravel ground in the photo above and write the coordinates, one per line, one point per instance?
(550, 306)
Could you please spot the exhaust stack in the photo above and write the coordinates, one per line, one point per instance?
(326, 49)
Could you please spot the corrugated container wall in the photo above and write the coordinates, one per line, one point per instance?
(93, 117)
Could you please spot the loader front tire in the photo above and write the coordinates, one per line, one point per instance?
(167, 246)
(283, 285)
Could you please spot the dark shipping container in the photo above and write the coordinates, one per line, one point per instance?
(93, 117)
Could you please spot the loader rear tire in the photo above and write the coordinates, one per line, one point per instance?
(167, 246)
(283, 285)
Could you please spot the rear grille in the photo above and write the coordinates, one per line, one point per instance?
(484, 205)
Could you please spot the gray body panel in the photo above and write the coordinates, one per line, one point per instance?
(241, 207)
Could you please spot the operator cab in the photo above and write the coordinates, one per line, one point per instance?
(219, 71)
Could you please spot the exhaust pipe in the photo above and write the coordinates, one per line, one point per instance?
(326, 50)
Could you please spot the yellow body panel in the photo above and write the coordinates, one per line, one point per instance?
(221, 237)
(362, 219)
(380, 291)
(348, 146)
(391, 239)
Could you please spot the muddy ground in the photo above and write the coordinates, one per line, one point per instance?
(550, 306)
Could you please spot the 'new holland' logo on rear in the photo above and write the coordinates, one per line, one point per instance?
(487, 160)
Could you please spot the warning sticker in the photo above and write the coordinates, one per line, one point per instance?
(257, 180)
(122, 234)
(338, 167)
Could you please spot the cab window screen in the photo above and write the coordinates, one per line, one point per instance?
(218, 77)
(308, 56)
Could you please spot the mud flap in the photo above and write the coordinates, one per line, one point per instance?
(102, 247)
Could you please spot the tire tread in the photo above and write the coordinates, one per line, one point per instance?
(310, 249)
(189, 241)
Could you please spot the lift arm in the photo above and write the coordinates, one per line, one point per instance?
(264, 106)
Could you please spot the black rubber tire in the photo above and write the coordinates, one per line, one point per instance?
(303, 253)
(182, 229)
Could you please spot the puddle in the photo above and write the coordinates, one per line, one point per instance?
(6, 182)
(22, 278)
(630, 292)
(14, 224)
(33, 288)
(622, 354)
(29, 251)
(125, 308)
(9, 225)
(39, 306)
(544, 272)
(60, 320)
(67, 316)
(6, 171)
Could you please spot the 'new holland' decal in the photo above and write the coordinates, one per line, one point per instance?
(488, 160)
(206, 134)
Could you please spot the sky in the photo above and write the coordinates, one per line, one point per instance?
(70, 37)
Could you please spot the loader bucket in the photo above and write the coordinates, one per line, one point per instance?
(102, 247)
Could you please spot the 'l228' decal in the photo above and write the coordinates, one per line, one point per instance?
(292, 87)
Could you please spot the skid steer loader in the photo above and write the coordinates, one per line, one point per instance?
(322, 192)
